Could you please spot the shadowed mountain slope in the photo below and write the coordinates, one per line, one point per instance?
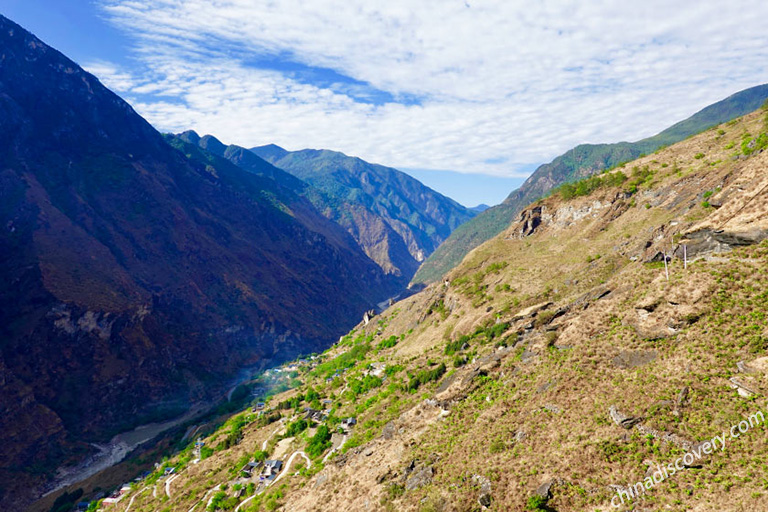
(137, 279)
(374, 234)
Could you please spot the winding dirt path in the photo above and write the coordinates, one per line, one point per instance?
(130, 503)
(288, 465)
(266, 441)
(343, 440)
(168, 484)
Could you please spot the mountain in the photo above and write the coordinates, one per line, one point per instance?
(376, 238)
(479, 208)
(138, 279)
(583, 160)
(613, 329)
(396, 219)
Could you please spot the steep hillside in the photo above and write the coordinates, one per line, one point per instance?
(371, 231)
(386, 202)
(614, 328)
(136, 281)
(579, 162)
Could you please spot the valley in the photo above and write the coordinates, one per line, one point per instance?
(612, 326)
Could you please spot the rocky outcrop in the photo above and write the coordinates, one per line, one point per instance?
(623, 420)
(484, 497)
(419, 476)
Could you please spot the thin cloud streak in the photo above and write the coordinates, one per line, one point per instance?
(499, 85)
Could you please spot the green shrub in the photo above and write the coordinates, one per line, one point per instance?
(388, 343)
(296, 428)
(425, 376)
(454, 346)
(345, 360)
(536, 503)
(588, 185)
(497, 446)
(320, 442)
(360, 386)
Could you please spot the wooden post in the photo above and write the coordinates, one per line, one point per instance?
(685, 256)
(666, 268)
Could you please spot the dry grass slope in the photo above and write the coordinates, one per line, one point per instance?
(543, 330)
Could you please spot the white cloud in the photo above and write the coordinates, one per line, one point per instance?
(515, 82)
(118, 81)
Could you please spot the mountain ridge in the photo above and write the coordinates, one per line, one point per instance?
(578, 162)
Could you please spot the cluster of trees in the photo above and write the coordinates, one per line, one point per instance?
(388, 343)
(588, 185)
(367, 383)
(320, 442)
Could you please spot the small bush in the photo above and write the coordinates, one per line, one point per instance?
(497, 446)
(388, 343)
(536, 503)
(454, 346)
(425, 376)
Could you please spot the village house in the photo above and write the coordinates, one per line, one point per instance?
(271, 469)
(377, 370)
(348, 423)
(118, 495)
(249, 468)
(315, 415)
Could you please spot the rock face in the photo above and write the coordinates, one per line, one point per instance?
(484, 498)
(135, 274)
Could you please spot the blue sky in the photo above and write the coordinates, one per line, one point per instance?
(467, 96)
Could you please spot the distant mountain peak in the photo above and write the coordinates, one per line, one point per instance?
(212, 144)
(479, 208)
(270, 151)
(190, 137)
(371, 199)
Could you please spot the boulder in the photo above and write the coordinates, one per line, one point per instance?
(545, 490)
(419, 478)
(389, 431)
